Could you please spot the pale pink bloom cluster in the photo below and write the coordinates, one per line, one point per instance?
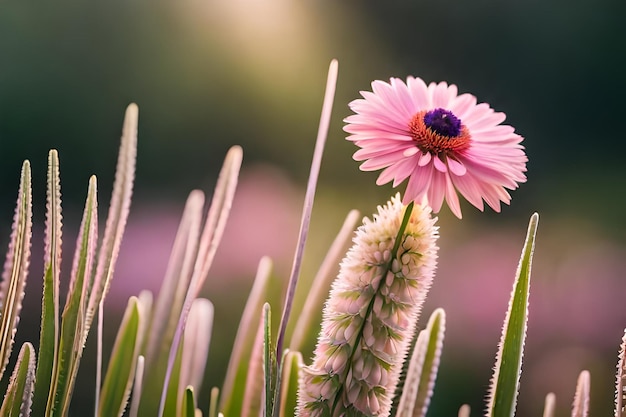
(440, 141)
(370, 316)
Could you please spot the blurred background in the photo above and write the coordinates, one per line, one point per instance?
(210, 74)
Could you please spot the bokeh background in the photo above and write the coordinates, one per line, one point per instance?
(208, 74)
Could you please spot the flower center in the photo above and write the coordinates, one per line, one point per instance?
(439, 132)
(443, 122)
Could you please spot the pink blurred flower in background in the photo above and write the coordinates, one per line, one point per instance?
(442, 142)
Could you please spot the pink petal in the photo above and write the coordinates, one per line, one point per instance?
(419, 181)
(439, 165)
(452, 198)
(468, 187)
(410, 151)
(440, 95)
(437, 190)
(456, 167)
(419, 93)
(424, 159)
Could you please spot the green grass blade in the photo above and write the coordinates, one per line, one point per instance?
(119, 208)
(18, 398)
(251, 399)
(291, 373)
(423, 367)
(73, 318)
(581, 398)
(121, 369)
(172, 398)
(436, 331)
(170, 301)
(237, 373)
(15, 267)
(189, 403)
(505, 380)
(269, 362)
(137, 387)
(49, 335)
(215, 394)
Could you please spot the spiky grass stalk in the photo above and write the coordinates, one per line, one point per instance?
(137, 387)
(422, 372)
(19, 395)
(49, 332)
(620, 384)
(502, 397)
(581, 398)
(16, 267)
(371, 314)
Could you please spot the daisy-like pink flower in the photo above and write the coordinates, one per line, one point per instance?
(441, 141)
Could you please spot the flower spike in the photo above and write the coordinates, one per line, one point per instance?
(371, 314)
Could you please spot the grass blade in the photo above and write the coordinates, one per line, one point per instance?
(269, 363)
(121, 369)
(291, 373)
(423, 367)
(215, 393)
(322, 133)
(234, 388)
(209, 241)
(620, 384)
(49, 335)
(118, 214)
(171, 296)
(172, 400)
(581, 398)
(189, 403)
(252, 396)
(505, 380)
(321, 283)
(18, 399)
(549, 405)
(73, 317)
(196, 347)
(137, 387)
(170, 301)
(15, 267)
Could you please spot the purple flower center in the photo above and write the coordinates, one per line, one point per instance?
(443, 122)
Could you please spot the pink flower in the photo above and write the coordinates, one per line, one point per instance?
(442, 142)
